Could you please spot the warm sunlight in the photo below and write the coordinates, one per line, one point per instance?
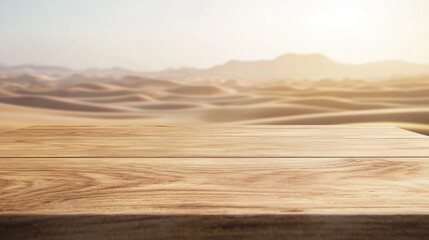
(222, 61)
(214, 119)
(340, 15)
(142, 35)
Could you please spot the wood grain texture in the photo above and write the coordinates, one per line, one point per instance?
(214, 182)
(214, 186)
(213, 141)
(187, 131)
(210, 147)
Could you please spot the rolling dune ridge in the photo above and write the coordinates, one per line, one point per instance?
(36, 99)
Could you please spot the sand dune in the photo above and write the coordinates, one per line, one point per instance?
(411, 115)
(380, 93)
(200, 90)
(415, 119)
(245, 101)
(84, 99)
(5, 93)
(166, 106)
(299, 66)
(56, 103)
(341, 103)
(96, 86)
(410, 101)
(204, 98)
(230, 114)
(74, 92)
(118, 99)
(142, 82)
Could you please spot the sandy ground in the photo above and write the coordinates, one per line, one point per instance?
(33, 99)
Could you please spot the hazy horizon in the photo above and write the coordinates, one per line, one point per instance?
(211, 66)
(349, 62)
(152, 36)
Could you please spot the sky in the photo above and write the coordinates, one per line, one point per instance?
(150, 35)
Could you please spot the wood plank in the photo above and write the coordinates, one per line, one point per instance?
(171, 199)
(210, 147)
(35, 186)
(238, 182)
(215, 130)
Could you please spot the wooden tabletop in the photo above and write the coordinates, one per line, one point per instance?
(214, 182)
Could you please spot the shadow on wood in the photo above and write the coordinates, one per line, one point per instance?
(214, 227)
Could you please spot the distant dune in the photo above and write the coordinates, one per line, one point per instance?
(122, 98)
(299, 66)
(5, 93)
(286, 66)
(404, 115)
(199, 90)
(56, 103)
(28, 99)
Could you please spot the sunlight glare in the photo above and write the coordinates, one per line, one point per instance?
(340, 15)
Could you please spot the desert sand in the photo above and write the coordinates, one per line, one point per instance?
(31, 99)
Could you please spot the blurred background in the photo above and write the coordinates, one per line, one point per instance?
(214, 62)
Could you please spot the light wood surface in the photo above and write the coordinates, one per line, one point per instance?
(308, 131)
(214, 186)
(214, 182)
(246, 147)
